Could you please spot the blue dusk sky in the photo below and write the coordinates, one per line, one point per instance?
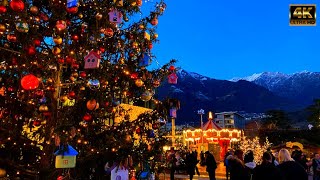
(225, 39)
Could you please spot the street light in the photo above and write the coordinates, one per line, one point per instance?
(201, 112)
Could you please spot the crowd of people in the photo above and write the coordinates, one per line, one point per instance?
(187, 162)
(282, 166)
(241, 166)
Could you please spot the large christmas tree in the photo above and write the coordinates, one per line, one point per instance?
(71, 74)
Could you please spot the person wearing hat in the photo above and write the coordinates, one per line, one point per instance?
(211, 165)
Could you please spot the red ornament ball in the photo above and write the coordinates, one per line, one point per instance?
(83, 74)
(171, 68)
(60, 178)
(3, 9)
(37, 42)
(17, 5)
(72, 94)
(72, 10)
(31, 50)
(36, 123)
(87, 117)
(30, 82)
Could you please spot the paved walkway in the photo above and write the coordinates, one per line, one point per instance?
(220, 174)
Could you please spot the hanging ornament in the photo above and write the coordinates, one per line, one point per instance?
(87, 117)
(173, 78)
(22, 27)
(36, 123)
(138, 130)
(144, 60)
(37, 42)
(115, 16)
(172, 68)
(146, 95)
(98, 16)
(92, 60)
(154, 21)
(75, 37)
(43, 108)
(92, 105)
(72, 95)
(72, 3)
(119, 3)
(29, 82)
(83, 74)
(151, 134)
(94, 84)
(17, 5)
(139, 2)
(2, 28)
(65, 157)
(3, 9)
(156, 83)
(108, 32)
(139, 82)
(61, 25)
(31, 50)
(57, 40)
(34, 9)
(56, 50)
(72, 10)
(3, 173)
(12, 38)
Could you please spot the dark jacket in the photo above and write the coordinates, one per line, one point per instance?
(237, 169)
(267, 171)
(191, 163)
(210, 163)
(292, 170)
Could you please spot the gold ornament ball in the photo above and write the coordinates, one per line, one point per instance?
(34, 10)
(2, 28)
(3, 173)
(56, 50)
(141, 26)
(43, 108)
(57, 40)
(98, 16)
(155, 36)
(80, 15)
(139, 82)
(146, 96)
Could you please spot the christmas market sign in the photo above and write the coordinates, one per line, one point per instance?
(66, 159)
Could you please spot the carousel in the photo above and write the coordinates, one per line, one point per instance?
(211, 138)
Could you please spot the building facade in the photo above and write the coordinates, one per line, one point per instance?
(229, 120)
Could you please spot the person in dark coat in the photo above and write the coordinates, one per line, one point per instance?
(236, 166)
(267, 170)
(316, 166)
(290, 169)
(191, 163)
(211, 165)
(172, 165)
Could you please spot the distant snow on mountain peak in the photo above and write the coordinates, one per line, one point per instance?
(248, 78)
(184, 73)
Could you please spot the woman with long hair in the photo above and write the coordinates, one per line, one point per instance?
(290, 169)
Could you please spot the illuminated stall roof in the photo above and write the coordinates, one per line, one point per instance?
(211, 125)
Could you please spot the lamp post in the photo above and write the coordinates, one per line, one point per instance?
(201, 112)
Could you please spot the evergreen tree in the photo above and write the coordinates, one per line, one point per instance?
(314, 110)
(66, 69)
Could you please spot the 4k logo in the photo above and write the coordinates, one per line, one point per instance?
(302, 15)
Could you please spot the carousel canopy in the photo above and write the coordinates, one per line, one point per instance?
(211, 125)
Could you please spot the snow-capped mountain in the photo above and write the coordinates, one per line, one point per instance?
(196, 91)
(302, 86)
